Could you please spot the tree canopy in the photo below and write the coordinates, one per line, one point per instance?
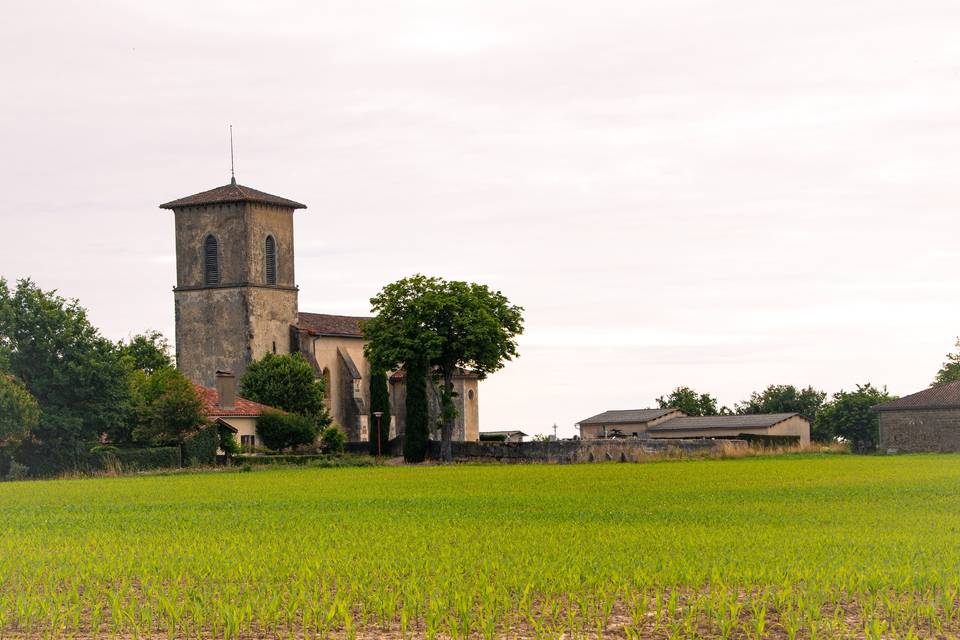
(166, 407)
(450, 325)
(279, 431)
(286, 382)
(691, 402)
(147, 352)
(75, 374)
(848, 416)
(784, 398)
(950, 371)
(19, 410)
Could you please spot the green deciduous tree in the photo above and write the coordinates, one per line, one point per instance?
(784, 398)
(379, 401)
(75, 374)
(19, 410)
(286, 382)
(166, 407)
(147, 352)
(950, 371)
(417, 429)
(450, 325)
(280, 431)
(848, 416)
(691, 402)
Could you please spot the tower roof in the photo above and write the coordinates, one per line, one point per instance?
(232, 192)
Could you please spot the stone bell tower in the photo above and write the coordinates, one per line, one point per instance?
(236, 297)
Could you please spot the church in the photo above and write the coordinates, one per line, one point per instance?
(236, 301)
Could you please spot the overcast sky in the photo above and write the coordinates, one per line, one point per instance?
(718, 194)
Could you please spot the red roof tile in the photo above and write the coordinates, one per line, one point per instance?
(944, 396)
(322, 324)
(242, 407)
(232, 192)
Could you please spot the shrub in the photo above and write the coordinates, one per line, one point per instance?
(280, 431)
(201, 448)
(143, 459)
(17, 471)
(332, 440)
(228, 441)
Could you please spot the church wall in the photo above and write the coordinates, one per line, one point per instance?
(264, 220)
(340, 401)
(271, 312)
(466, 427)
(227, 224)
(211, 331)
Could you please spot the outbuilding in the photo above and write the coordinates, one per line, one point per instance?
(624, 423)
(771, 427)
(928, 420)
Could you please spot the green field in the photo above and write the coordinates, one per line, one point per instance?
(808, 547)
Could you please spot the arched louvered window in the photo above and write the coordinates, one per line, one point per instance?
(211, 262)
(270, 256)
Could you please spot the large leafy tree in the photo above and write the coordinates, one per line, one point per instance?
(19, 410)
(691, 402)
(75, 374)
(379, 402)
(286, 382)
(784, 398)
(449, 325)
(950, 371)
(166, 407)
(147, 352)
(848, 417)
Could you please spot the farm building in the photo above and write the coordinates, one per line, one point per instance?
(616, 424)
(673, 423)
(763, 425)
(503, 436)
(928, 420)
(222, 405)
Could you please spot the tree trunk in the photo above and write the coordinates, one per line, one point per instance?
(448, 411)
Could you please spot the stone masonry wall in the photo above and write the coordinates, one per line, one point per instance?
(568, 451)
(920, 430)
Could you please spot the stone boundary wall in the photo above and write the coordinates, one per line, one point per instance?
(568, 451)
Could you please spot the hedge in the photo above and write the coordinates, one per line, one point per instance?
(141, 459)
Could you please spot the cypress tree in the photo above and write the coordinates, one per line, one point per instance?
(379, 401)
(417, 432)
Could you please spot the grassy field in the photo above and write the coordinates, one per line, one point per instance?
(808, 547)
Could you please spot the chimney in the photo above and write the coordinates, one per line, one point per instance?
(226, 389)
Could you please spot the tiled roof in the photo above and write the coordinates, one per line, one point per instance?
(232, 192)
(944, 396)
(627, 416)
(751, 421)
(322, 324)
(242, 407)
